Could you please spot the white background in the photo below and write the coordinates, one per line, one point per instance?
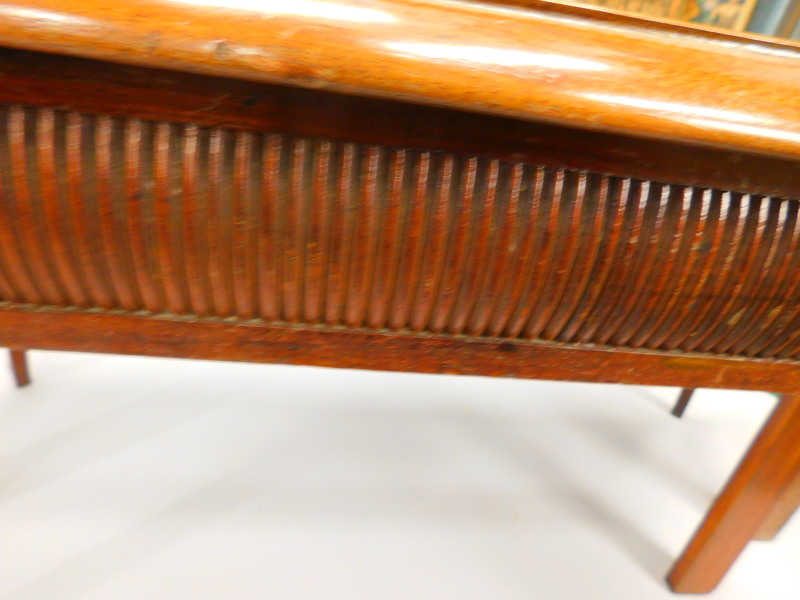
(136, 479)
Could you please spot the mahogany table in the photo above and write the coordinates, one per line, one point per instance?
(516, 189)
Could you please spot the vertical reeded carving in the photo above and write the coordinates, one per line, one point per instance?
(114, 213)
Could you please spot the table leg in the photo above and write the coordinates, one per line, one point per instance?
(765, 474)
(19, 365)
(683, 402)
(781, 512)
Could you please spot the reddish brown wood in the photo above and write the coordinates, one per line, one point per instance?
(683, 402)
(767, 471)
(687, 86)
(548, 192)
(786, 507)
(178, 219)
(215, 339)
(19, 366)
(87, 86)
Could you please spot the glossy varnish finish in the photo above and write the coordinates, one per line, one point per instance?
(617, 203)
(781, 513)
(93, 87)
(597, 73)
(223, 339)
(767, 472)
(166, 218)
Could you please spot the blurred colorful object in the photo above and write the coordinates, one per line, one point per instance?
(730, 14)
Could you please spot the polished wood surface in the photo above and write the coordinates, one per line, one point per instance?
(683, 402)
(94, 87)
(222, 339)
(440, 187)
(134, 215)
(582, 71)
(19, 367)
(764, 476)
(785, 508)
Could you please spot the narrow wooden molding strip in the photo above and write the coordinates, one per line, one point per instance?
(571, 68)
(215, 339)
(97, 87)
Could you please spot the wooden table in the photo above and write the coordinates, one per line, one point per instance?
(521, 189)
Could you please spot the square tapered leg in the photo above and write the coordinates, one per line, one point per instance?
(763, 478)
(783, 510)
(683, 402)
(19, 365)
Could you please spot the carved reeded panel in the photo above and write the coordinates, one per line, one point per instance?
(134, 215)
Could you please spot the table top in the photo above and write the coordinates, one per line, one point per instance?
(544, 62)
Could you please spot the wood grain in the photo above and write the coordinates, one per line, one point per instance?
(171, 218)
(531, 63)
(767, 471)
(220, 339)
(103, 88)
(414, 185)
(781, 513)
